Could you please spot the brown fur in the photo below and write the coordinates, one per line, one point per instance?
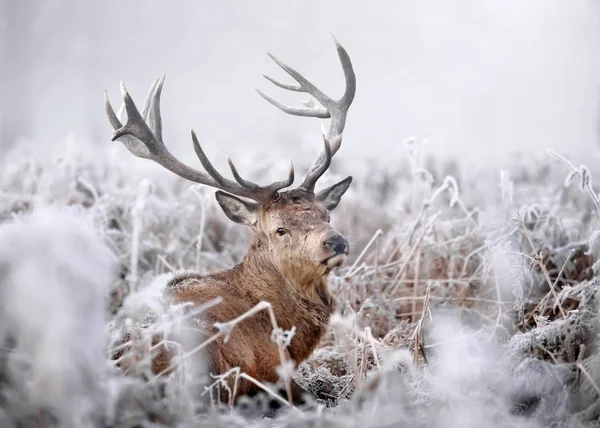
(287, 271)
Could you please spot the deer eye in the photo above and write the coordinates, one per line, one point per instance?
(281, 231)
(328, 218)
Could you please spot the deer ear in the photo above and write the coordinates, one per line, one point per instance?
(239, 211)
(331, 196)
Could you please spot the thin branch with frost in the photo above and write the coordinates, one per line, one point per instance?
(396, 281)
(348, 324)
(220, 381)
(585, 179)
(418, 333)
(542, 303)
(538, 259)
(351, 271)
(451, 185)
(136, 214)
(203, 207)
(280, 337)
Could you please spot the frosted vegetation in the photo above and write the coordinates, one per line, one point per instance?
(469, 300)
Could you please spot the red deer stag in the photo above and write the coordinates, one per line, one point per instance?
(293, 250)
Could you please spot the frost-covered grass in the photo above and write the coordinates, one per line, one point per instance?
(469, 299)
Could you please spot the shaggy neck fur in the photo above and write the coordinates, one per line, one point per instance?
(299, 279)
(302, 301)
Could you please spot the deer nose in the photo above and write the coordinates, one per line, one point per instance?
(338, 244)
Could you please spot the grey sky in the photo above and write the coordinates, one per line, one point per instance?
(472, 76)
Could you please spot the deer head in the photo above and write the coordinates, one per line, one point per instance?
(291, 228)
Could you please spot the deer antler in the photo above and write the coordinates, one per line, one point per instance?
(336, 110)
(142, 136)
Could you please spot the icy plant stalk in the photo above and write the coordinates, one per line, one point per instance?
(137, 214)
(507, 192)
(204, 203)
(280, 337)
(585, 179)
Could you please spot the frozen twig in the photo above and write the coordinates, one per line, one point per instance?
(377, 234)
(136, 214)
(538, 259)
(396, 282)
(585, 182)
(542, 302)
(224, 331)
(204, 203)
(417, 335)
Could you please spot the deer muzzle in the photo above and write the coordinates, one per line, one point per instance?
(338, 244)
(339, 248)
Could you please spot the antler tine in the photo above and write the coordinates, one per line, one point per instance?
(142, 136)
(336, 110)
(295, 111)
(319, 169)
(149, 96)
(272, 189)
(132, 144)
(151, 109)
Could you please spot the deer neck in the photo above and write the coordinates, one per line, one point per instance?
(305, 305)
(277, 286)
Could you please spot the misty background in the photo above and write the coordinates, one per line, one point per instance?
(478, 79)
